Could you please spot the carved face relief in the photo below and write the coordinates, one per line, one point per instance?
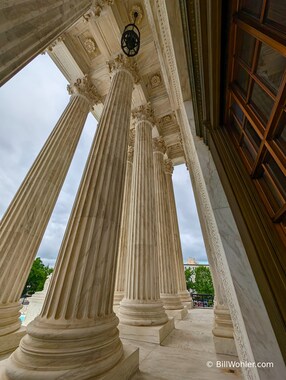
(90, 45)
(155, 80)
(167, 119)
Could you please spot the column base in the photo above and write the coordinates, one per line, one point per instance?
(189, 305)
(149, 334)
(127, 366)
(124, 370)
(177, 314)
(118, 297)
(9, 342)
(115, 309)
(223, 331)
(225, 346)
(171, 301)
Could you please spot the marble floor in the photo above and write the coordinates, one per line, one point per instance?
(184, 353)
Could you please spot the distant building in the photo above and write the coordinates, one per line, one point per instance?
(192, 263)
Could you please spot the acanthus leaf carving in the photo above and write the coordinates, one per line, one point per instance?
(144, 113)
(159, 145)
(168, 166)
(122, 62)
(84, 87)
(96, 9)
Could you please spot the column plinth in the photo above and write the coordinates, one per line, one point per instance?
(76, 334)
(181, 280)
(24, 223)
(123, 240)
(167, 265)
(223, 331)
(141, 305)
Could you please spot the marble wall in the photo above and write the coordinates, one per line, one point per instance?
(257, 336)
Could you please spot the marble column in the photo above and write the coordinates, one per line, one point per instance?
(141, 307)
(123, 239)
(167, 266)
(223, 333)
(30, 26)
(76, 335)
(25, 221)
(175, 233)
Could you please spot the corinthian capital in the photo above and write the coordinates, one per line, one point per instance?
(159, 145)
(143, 113)
(84, 87)
(168, 166)
(121, 62)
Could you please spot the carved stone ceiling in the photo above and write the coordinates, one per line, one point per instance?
(92, 41)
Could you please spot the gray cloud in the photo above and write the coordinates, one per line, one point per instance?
(30, 105)
(190, 230)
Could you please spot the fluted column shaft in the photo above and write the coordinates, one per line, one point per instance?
(175, 233)
(28, 27)
(26, 219)
(167, 265)
(76, 334)
(141, 304)
(123, 240)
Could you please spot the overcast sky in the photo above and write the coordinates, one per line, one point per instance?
(30, 105)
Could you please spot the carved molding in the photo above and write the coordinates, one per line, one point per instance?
(159, 145)
(167, 48)
(96, 9)
(124, 63)
(50, 48)
(89, 45)
(155, 81)
(85, 88)
(166, 119)
(139, 11)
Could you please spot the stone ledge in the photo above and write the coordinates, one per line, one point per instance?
(9, 342)
(149, 334)
(127, 366)
(2, 369)
(177, 314)
(225, 346)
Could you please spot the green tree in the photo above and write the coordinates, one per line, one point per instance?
(199, 280)
(37, 277)
(188, 275)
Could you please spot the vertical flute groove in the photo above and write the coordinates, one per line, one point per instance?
(25, 221)
(175, 233)
(168, 281)
(141, 304)
(77, 329)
